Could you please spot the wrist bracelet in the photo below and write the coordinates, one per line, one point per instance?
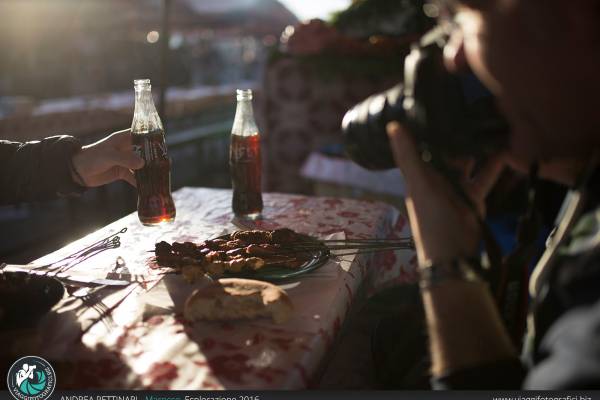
(459, 269)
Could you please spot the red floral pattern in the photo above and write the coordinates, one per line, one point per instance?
(154, 347)
(301, 111)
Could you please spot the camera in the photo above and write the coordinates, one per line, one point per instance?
(450, 115)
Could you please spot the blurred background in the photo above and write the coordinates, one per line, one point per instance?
(67, 68)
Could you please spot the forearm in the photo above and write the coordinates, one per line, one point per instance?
(36, 170)
(464, 327)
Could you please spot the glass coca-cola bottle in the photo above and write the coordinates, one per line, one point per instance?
(155, 203)
(245, 160)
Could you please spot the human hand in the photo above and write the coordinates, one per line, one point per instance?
(106, 161)
(444, 227)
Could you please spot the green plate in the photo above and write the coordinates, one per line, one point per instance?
(274, 273)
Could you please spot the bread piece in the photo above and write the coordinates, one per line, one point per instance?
(233, 298)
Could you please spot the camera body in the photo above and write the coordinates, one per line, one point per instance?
(450, 115)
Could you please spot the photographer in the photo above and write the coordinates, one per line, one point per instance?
(541, 60)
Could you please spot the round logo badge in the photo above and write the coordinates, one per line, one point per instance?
(31, 378)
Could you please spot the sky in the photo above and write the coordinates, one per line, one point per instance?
(307, 9)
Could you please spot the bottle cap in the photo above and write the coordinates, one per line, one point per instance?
(141, 83)
(244, 94)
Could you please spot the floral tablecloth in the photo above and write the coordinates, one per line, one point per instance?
(146, 343)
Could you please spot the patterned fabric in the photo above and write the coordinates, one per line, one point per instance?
(301, 112)
(150, 345)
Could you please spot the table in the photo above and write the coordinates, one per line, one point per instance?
(147, 344)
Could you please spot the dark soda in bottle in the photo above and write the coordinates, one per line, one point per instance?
(155, 203)
(245, 160)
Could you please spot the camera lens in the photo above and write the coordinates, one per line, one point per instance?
(449, 115)
(364, 132)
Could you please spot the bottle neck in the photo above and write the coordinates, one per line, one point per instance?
(145, 116)
(245, 109)
(244, 123)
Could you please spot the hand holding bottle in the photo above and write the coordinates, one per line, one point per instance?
(155, 203)
(108, 160)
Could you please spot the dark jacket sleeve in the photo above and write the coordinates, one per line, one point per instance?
(568, 357)
(37, 170)
(500, 375)
(572, 350)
